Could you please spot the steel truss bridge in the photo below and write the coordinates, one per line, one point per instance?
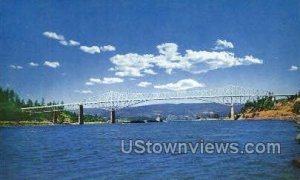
(112, 101)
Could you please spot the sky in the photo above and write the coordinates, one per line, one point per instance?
(71, 50)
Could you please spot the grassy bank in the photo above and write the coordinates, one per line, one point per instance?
(23, 123)
(268, 108)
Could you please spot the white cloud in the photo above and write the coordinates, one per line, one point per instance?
(88, 49)
(204, 61)
(16, 66)
(33, 64)
(89, 83)
(95, 80)
(84, 91)
(223, 44)
(129, 72)
(149, 71)
(108, 80)
(105, 80)
(97, 49)
(293, 68)
(168, 49)
(107, 48)
(184, 84)
(91, 50)
(251, 60)
(61, 39)
(131, 64)
(169, 59)
(73, 43)
(52, 64)
(65, 43)
(144, 84)
(53, 35)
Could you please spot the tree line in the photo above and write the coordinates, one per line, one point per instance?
(11, 104)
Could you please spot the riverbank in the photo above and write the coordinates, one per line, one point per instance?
(279, 118)
(293, 118)
(285, 109)
(24, 123)
(37, 123)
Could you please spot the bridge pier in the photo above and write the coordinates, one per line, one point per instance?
(231, 110)
(113, 116)
(55, 115)
(80, 115)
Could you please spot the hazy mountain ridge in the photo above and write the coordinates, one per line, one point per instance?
(186, 109)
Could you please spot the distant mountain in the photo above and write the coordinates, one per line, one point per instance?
(168, 110)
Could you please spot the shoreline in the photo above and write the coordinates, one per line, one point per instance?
(279, 118)
(38, 123)
(295, 119)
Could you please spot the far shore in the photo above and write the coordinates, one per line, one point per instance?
(295, 119)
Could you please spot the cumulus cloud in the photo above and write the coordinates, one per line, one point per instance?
(293, 68)
(33, 64)
(111, 69)
(144, 84)
(89, 83)
(95, 80)
(61, 39)
(90, 50)
(73, 43)
(16, 66)
(65, 43)
(105, 80)
(149, 71)
(112, 80)
(84, 91)
(107, 48)
(53, 35)
(52, 64)
(169, 59)
(168, 49)
(204, 61)
(184, 84)
(97, 49)
(131, 64)
(223, 44)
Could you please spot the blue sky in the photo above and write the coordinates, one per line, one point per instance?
(70, 50)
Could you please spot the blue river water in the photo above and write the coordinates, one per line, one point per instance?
(94, 151)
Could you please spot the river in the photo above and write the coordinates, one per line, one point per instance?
(94, 151)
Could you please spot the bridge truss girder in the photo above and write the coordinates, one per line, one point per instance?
(228, 95)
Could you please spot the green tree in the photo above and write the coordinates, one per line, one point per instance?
(296, 107)
(43, 102)
(29, 103)
(36, 103)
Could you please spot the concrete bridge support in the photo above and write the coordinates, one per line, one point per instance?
(80, 115)
(231, 110)
(113, 116)
(55, 115)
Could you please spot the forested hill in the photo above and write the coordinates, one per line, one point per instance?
(10, 111)
(11, 104)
